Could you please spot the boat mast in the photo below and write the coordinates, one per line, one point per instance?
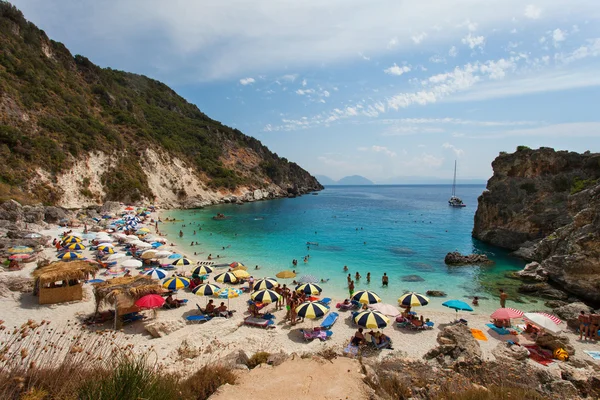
(454, 181)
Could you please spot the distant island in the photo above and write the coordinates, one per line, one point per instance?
(353, 180)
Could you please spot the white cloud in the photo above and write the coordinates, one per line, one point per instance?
(453, 52)
(592, 49)
(364, 57)
(379, 149)
(392, 43)
(396, 70)
(304, 92)
(458, 152)
(566, 130)
(437, 59)
(247, 81)
(325, 93)
(289, 77)
(418, 38)
(473, 41)
(304, 83)
(558, 36)
(532, 12)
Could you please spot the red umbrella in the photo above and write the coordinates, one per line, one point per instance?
(506, 313)
(150, 301)
(130, 208)
(19, 256)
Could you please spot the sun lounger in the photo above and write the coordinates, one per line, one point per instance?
(329, 320)
(259, 322)
(132, 317)
(499, 331)
(198, 318)
(325, 301)
(315, 334)
(385, 344)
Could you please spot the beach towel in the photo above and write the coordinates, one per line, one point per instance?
(499, 331)
(351, 350)
(538, 355)
(479, 335)
(594, 354)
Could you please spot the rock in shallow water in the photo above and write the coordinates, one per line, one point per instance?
(455, 258)
(412, 278)
(435, 293)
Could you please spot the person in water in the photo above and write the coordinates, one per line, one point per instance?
(357, 276)
(368, 277)
(384, 279)
(345, 268)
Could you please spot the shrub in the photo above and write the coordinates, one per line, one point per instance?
(529, 187)
(493, 392)
(581, 184)
(206, 381)
(522, 148)
(258, 358)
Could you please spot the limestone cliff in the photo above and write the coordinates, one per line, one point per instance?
(545, 205)
(75, 134)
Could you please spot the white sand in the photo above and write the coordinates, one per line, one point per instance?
(220, 336)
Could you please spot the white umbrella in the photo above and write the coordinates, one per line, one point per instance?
(115, 257)
(106, 241)
(132, 237)
(385, 309)
(119, 235)
(544, 321)
(131, 263)
(163, 254)
(142, 245)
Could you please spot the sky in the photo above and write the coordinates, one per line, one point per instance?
(382, 89)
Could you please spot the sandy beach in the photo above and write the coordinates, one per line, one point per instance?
(220, 336)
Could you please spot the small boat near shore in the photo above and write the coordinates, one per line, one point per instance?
(455, 201)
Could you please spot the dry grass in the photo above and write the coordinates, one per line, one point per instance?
(258, 358)
(206, 381)
(493, 393)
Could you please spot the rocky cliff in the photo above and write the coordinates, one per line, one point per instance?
(545, 205)
(74, 134)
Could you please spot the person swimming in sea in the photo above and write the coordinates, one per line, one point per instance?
(345, 268)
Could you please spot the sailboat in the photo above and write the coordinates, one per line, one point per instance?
(455, 201)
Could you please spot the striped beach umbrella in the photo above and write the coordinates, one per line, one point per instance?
(106, 249)
(309, 288)
(265, 283)
(413, 299)
(311, 310)
(71, 239)
(76, 246)
(156, 273)
(506, 313)
(206, 289)
(228, 293)
(20, 250)
(201, 270)
(236, 264)
(226, 277)
(70, 256)
(371, 320)
(543, 320)
(176, 283)
(265, 296)
(366, 297)
(181, 261)
(240, 274)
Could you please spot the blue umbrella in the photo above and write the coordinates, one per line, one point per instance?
(176, 255)
(457, 305)
(156, 244)
(95, 281)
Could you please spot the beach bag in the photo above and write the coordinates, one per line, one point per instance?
(561, 354)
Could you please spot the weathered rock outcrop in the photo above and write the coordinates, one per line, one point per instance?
(455, 258)
(456, 344)
(545, 205)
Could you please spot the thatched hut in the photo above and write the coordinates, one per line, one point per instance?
(61, 281)
(121, 293)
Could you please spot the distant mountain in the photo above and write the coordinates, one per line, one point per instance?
(428, 180)
(354, 180)
(325, 180)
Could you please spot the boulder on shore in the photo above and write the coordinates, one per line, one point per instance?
(570, 313)
(457, 344)
(455, 258)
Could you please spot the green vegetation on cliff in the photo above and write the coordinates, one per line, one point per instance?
(56, 108)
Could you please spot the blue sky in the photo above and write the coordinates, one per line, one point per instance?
(376, 88)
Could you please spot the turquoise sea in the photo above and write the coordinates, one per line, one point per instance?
(404, 231)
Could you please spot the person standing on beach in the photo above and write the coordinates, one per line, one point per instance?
(503, 297)
(594, 326)
(584, 324)
(384, 280)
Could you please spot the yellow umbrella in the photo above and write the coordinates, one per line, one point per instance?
(240, 273)
(143, 230)
(148, 254)
(286, 274)
(106, 249)
(240, 268)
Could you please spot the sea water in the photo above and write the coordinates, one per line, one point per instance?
(404, 231)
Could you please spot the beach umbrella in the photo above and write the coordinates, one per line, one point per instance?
(176, 283)
(156, 273)
(287, 274)
(226, 277)
(20, 250)
(311, 310)
(143, 230)
(106, 249)
(115, 257)
(132, 238)
(506, 313)
(71, 239)
(371, 320)
(457, 305)
(181, 262)
(236, 264)
(105, 241)
(32, 236)
(206, 289)
(240, 274)
(265, 283)
(95, 281)
(413, 299)
(175, 256)
(142, 245)
(22, 256)
(228, 293)
(163, 254)
(308, 288)
(76, 246)
(156, 245)
(385, 309)
(119, 236)
(308, 279)
(70, 256)
(202, 270)
(131, 263)
(129, 208)
(366, 297)
(148, 254)
(265, 296)
(545, 321)
(150, 301)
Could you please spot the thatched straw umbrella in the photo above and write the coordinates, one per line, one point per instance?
(123, 292)
(62, 271)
